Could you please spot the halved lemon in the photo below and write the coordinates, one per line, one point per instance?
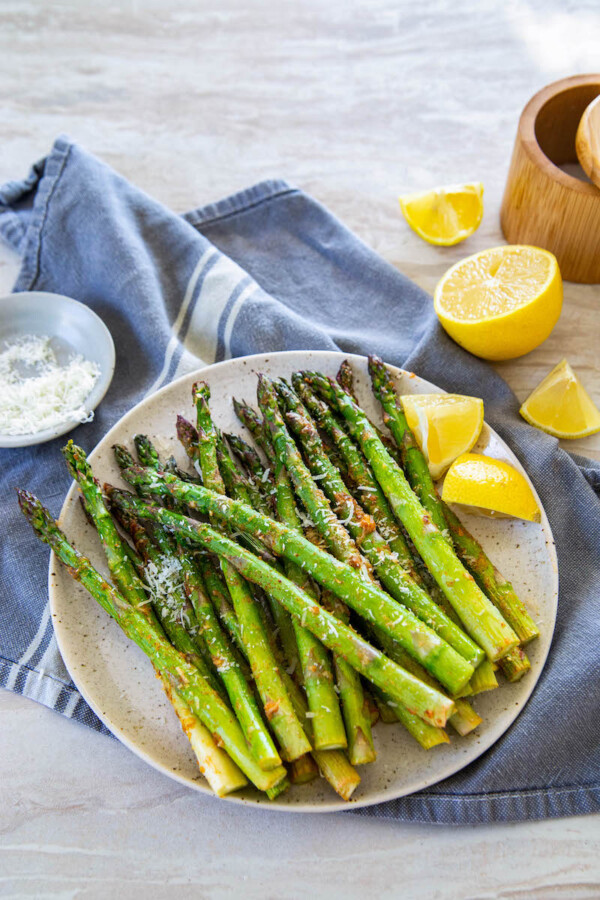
(445, 425)
(501, 303)
(446, 215)
(561, 406)
(489, 487)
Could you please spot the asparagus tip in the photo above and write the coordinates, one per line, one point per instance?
(185, 430)
(200, 391)
(36, 514)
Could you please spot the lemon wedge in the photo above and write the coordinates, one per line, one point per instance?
(444, 425)
(501, 303)
(561, 406)
(444, 216)
(489, 487)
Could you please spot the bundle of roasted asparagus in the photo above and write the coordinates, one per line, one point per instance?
(289, 600)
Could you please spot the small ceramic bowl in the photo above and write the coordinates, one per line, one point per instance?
(73, 328)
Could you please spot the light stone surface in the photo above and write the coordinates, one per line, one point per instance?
(355, 104)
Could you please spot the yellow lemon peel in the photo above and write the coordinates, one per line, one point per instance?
(487, 486)
(501, 303)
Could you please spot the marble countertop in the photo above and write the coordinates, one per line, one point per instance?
(355, 104)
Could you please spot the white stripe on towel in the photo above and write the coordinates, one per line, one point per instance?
(174, 339)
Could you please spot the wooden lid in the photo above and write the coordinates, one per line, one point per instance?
(587, 141)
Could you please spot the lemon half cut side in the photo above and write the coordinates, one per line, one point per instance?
(501, 303)
(444, 425)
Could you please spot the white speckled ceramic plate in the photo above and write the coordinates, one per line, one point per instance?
(119, 684)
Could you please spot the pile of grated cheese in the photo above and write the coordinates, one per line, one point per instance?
(36, 392)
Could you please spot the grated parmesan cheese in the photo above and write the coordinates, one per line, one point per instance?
(36, 392)
(165, 581)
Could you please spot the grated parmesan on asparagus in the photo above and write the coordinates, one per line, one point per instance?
(36, 392)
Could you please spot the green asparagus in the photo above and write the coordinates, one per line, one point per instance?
(183, 677)
(276, 702)
(426, 702)
(479, 616)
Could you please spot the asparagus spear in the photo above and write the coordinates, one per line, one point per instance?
(333, 764)
(452, 670)
(220, 771)
(484, 677)
(490, 580)
(250, 458)
(479, 616)
(317, 676)
(515, 664)
(358, 729)
(213, 638)
(237, 483)
(360, 474)
(468, 549)
(275, 699)
(413, 461)
(357, 722)
(169, 602)
(299, 643)
(125, 564)
(146, 451)
(227, 665)
(183, 677)
(303, 770)
(355, 706)
(426, 702)
(345, 378)
(172, 466)
(238, 487)
(173, 611)
(386, 564)
(463, 719)
(313, 499)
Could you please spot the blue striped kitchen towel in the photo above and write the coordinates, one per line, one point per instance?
(270, 269)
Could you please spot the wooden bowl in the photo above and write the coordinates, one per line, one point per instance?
(542, 205)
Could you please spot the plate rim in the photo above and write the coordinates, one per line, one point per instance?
(98, 391)
(336, 804)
